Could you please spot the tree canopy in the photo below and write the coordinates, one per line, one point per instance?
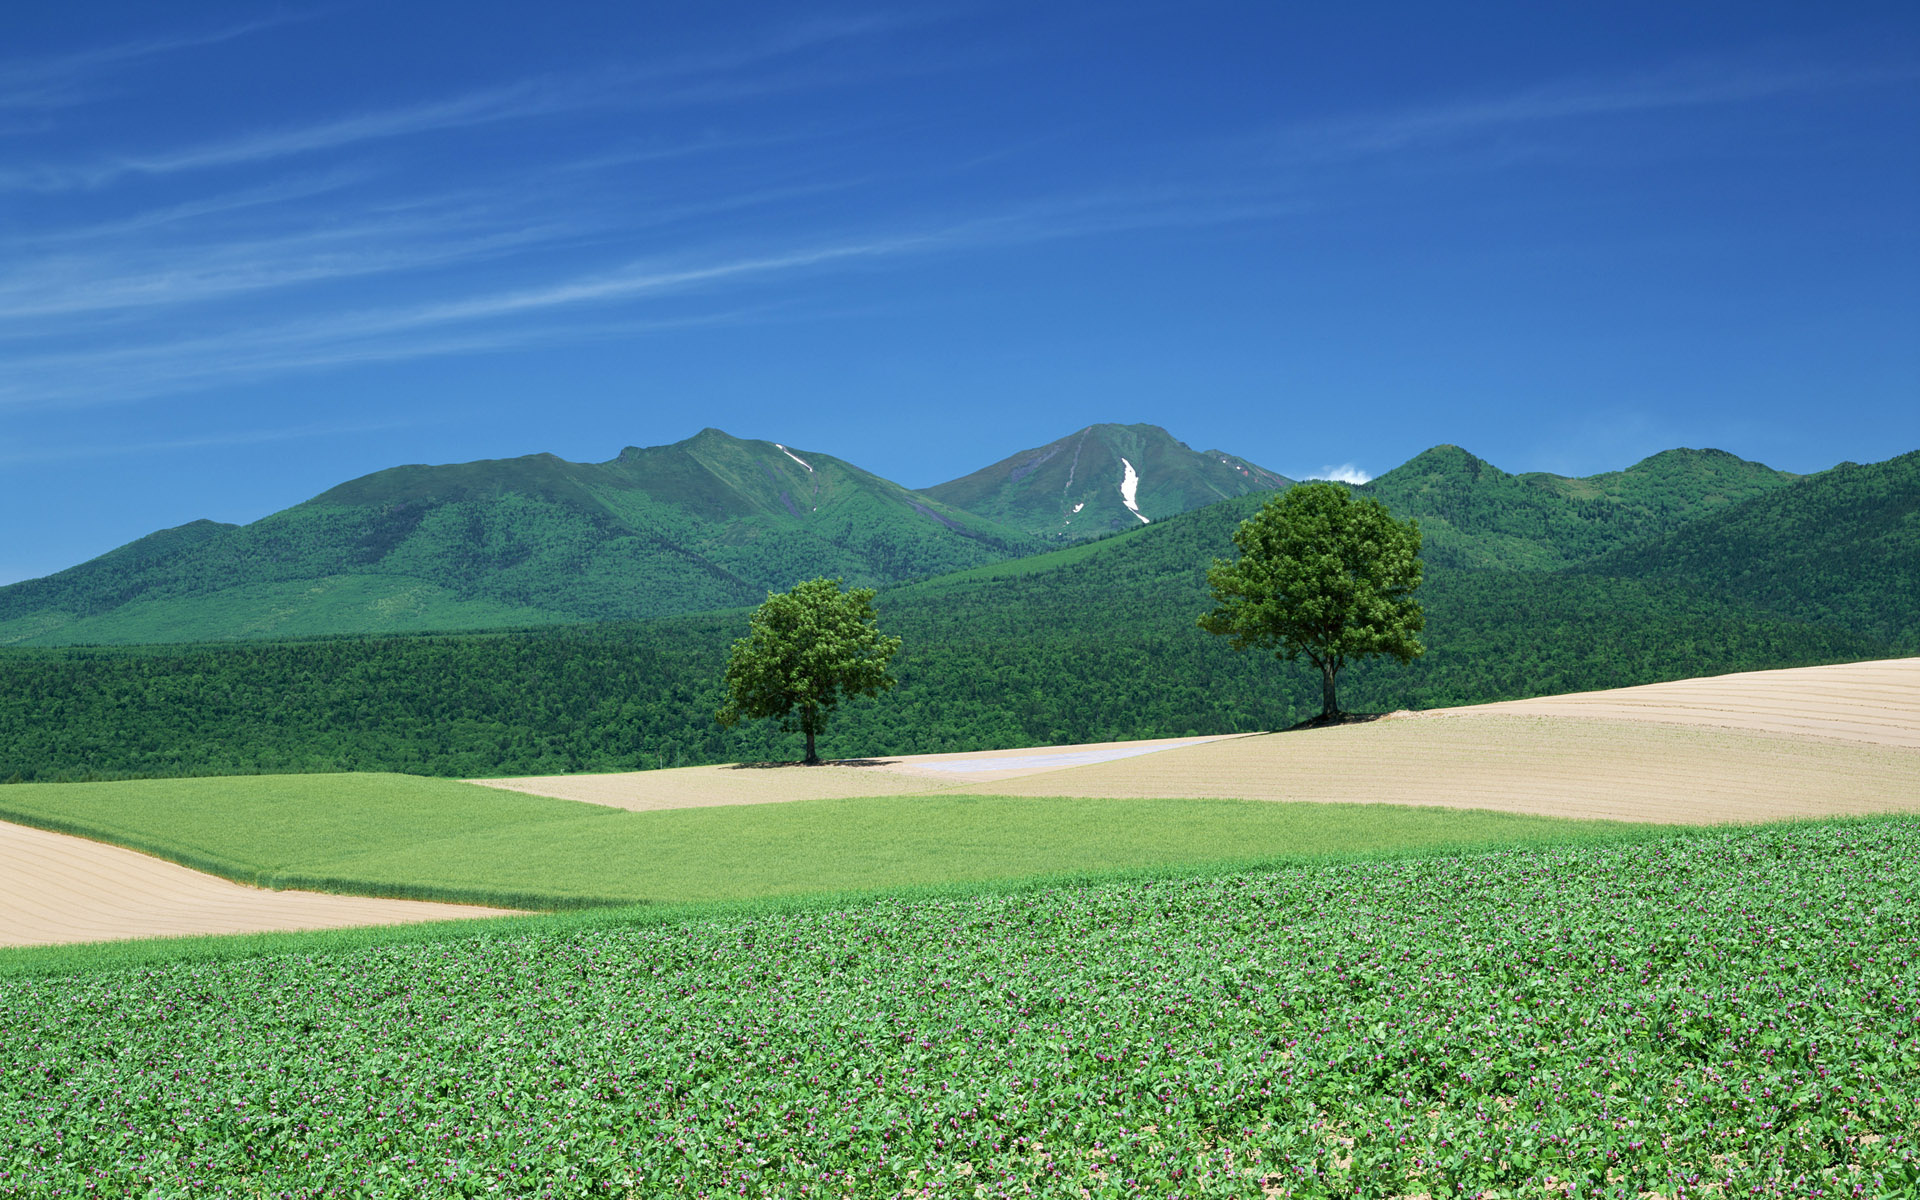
(1322, 576)
(804, 651)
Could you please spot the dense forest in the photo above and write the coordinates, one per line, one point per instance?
(1095, 641)
(1011, 661)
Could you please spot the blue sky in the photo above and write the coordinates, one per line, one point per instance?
(250, 251)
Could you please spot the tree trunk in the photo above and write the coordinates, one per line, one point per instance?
(1329, 705)
(813, 759)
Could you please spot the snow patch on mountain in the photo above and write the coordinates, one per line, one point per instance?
(1130, 490)
(795, 457)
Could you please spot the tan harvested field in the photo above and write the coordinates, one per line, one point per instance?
(707, 787)
(1554, 766)
(1810, 742)
(1758, 746)
(1877, 702)
(59, 889)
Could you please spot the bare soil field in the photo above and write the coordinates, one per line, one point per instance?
(59, 889)
(770, 783)
(1876, 702)
(1766, 745)
(1758, 746)
(1553, 766)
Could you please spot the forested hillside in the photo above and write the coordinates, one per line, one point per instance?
(708, 523)
(1472, 514)
(1093, 642)
(1841, 547)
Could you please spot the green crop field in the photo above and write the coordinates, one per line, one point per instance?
(395, 835)
(1703, 1013)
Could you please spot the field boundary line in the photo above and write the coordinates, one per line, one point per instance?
(252, 876)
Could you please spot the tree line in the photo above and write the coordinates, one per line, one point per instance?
(1080, 653)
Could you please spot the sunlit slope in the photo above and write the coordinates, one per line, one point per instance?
(1876, 703)
(708, 523)
(56, 889)
(1814, 742)
(393, 836)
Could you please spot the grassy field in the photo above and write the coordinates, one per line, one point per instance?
(393, 835)
(1694, 1013)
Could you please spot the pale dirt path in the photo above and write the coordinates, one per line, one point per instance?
(708, 787)
(58, 889)
(1877, 702)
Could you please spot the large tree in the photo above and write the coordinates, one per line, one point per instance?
(805, 650)
(1321, 576)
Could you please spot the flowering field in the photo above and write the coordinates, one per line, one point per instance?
(1714, 1013)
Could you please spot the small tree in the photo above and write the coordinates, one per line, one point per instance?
(1324, 576)
(804, 650)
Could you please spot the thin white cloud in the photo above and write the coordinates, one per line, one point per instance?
(714, 78)
(1680, 86)
(169, 276)
(242, 437)
(190, 211)
(1344, 473)
(511, 317)
(60, 81)
(516, 101)
(133, 373)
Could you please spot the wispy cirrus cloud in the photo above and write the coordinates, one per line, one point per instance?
(270, 195)
(517, 101)
(524, 315)
(170, 276)
(1675, 86)
(201, 441)
(62, 81)
(732, 75)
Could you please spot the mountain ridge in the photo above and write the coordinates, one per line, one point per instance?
(713, 522)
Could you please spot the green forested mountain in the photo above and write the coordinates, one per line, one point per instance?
(1841, 548)
(1472, 514)
(716, 521)
(707, 523)
(1090, 642)
(1102, 479)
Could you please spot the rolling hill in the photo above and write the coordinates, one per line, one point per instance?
(1841, 548)
(711, 522)
(1472, 514)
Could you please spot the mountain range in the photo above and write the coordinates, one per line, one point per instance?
(711, 522)
(714, 522)
(1689, 563)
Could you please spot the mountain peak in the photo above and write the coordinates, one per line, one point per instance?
(1445, 460)
(1102, 478)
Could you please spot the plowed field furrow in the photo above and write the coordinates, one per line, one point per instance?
(1514, 762)
(1877, 702)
